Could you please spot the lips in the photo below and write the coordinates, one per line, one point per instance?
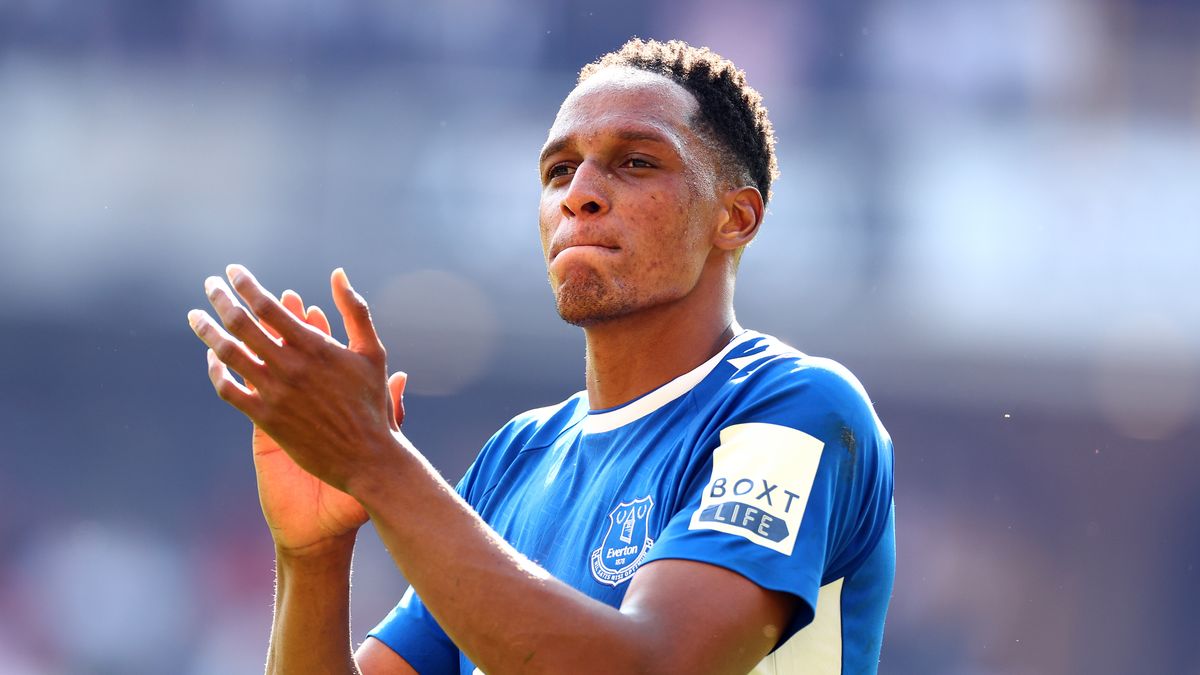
(559, 248)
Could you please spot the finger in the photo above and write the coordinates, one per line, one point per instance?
(317, 319)
(291, 302)
(356, 316)
(396, 384)
(228, 388)
(264, 305)
(226, 348)
(239, 322)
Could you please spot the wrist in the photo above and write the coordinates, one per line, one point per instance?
(334, 551)
(394, 463)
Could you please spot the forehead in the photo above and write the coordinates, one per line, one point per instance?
(624, 99)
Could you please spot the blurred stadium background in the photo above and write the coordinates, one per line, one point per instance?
(989, 211)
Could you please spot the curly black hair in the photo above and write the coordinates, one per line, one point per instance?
(731, 112)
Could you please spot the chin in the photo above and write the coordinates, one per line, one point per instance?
(590, 303)
(588, 314)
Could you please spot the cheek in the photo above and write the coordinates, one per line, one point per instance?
(546, 222)
(671, 233)
(687, 224)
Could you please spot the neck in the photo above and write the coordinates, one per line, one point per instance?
(635, 354)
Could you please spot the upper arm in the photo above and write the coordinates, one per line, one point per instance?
(701, 618)
(794, 493)
(416, 640)
(376, 658)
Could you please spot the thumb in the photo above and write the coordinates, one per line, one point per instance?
(396, 385)
(356, 316)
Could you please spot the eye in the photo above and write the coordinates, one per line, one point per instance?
(638, 163)
(559, 170)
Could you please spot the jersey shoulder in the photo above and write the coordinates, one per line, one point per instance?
(765, 363)
(769, 381)
(530, 430)
(774, 384)
(541, 426)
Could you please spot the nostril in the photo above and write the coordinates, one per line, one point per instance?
(591, 207)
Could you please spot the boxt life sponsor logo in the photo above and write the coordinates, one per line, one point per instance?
(761, 477)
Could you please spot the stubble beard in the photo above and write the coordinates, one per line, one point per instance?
(589, 301)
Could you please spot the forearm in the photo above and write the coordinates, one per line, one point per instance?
(311, 629)
(506, 613)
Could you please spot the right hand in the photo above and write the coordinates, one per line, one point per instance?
(306, 515)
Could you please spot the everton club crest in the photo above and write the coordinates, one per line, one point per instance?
(625, 544)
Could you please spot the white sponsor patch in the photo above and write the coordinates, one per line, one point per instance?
(762, 475)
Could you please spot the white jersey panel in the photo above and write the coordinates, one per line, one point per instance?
(817, 648)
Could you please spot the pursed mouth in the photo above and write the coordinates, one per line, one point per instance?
(555, 253)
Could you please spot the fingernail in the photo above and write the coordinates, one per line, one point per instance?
(211, 284)
(235, 272)
(193, 317)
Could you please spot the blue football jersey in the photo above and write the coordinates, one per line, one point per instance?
(762, 460)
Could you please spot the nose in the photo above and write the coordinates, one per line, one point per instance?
(588, 193)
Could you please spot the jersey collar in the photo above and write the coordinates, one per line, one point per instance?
(599, 421)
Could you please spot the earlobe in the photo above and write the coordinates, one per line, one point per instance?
(742, 214)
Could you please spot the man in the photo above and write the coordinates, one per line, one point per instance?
(714, 502)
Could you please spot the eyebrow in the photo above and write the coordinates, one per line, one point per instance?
(627, 135)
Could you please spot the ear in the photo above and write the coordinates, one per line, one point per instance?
(742, 213)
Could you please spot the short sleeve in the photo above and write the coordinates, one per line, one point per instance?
(412, 632)
(797, 488)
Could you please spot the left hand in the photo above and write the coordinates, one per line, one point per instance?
(325, 403)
